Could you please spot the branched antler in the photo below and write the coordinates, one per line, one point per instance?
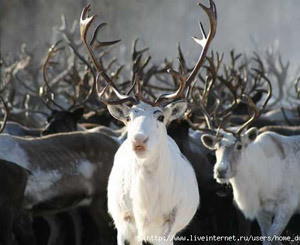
(206, 40)
(184, 79)
(85, 24)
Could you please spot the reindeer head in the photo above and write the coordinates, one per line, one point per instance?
(146, 124)
(63, 121)
(146, 120)
(228, 150)
(230, 145)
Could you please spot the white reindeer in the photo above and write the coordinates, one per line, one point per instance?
(264, 173)
(152, 188)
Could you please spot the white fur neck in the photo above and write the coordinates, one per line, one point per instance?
(150, 187)
(245, 191)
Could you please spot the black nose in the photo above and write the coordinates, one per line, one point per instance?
(221, 173)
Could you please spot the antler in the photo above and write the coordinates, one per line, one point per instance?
(178, 92)
(52, 50)
(254, 116)
(206, 40)
(138, 64)
(121, 98)
(200, 101)
(184, 80)
(280, 71)
(256, 112)
(85, 23)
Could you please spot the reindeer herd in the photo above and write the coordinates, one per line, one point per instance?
(83, 177)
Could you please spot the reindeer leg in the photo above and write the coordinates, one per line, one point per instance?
(98, 211)
(244, 226)
(23, 230)
(76, 219)
(281, 219)
(264, 220)
(6, 222)
(55, 229)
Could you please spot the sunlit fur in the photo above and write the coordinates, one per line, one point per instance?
(153, 193)
(264, 176)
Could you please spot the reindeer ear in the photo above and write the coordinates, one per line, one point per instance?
(251, 134)
(120, 112)
(175, 110)
(209, 141)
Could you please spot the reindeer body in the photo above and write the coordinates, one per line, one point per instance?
(264, 174)
(58, 121)
(150, 199)
(283, 130)
(17, 129)
(152, 189)
(280, 115)
(270, 178)
(67, 169)
(155, 194)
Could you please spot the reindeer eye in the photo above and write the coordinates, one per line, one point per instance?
(161, 118)
(127, 119)
(238, 146)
